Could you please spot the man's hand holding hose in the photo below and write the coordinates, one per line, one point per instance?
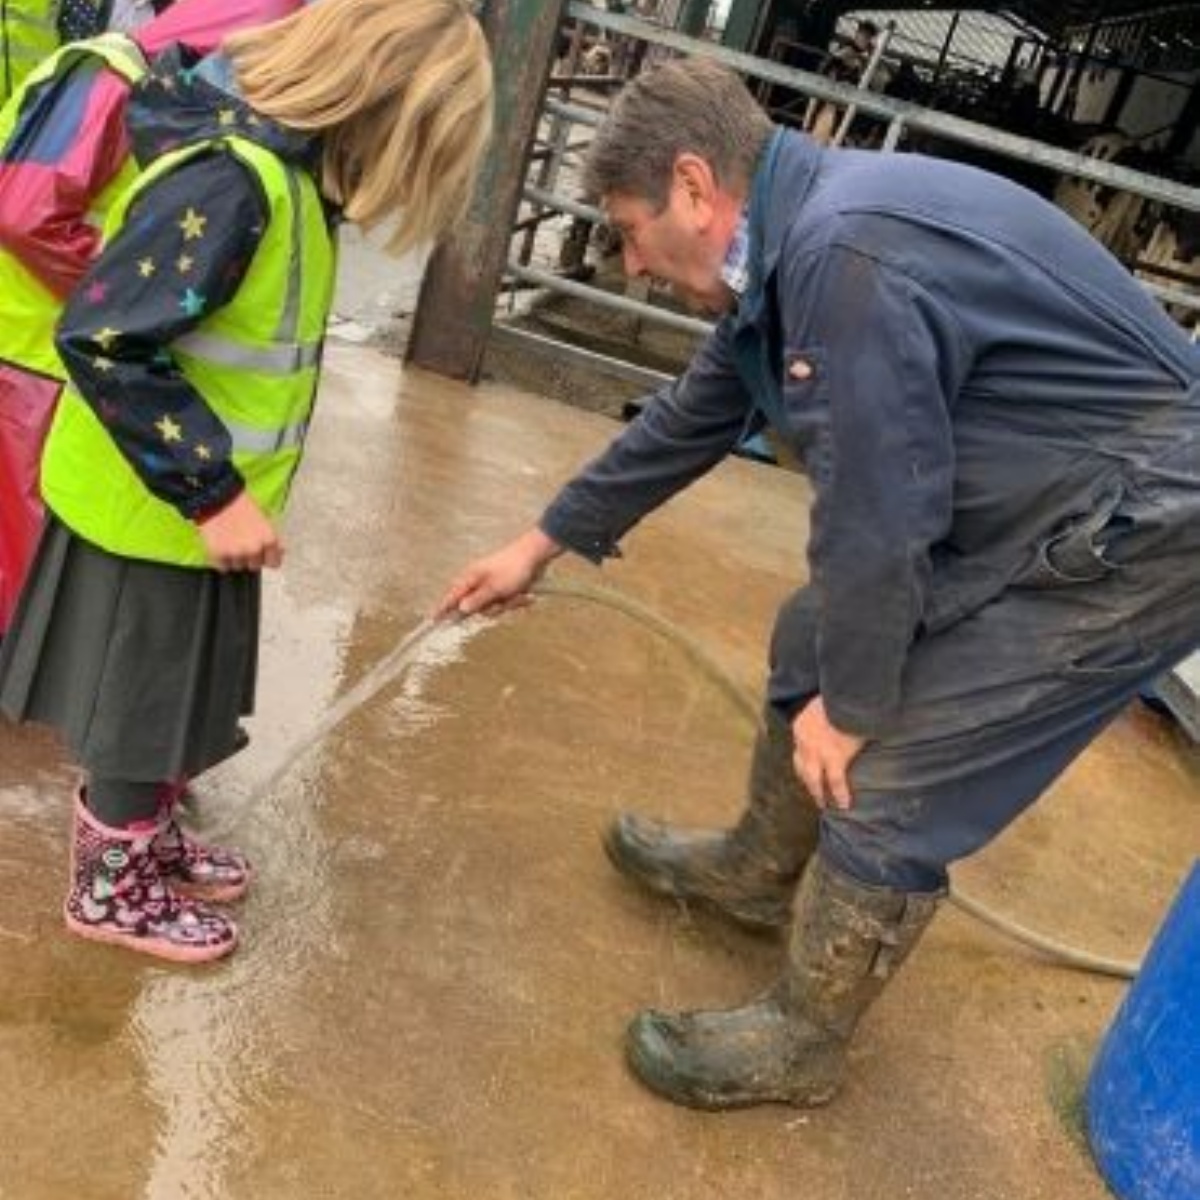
(501, 581)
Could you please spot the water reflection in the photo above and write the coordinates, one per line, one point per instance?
(210, 1038)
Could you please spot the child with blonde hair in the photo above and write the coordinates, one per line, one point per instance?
(193, 345)
(64, 158)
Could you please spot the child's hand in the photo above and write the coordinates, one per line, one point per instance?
(240, 537)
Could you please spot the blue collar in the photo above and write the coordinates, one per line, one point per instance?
(785, 175)
(737, 271)
(752, 229)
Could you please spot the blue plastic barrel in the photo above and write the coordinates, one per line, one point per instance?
(1143, 1094)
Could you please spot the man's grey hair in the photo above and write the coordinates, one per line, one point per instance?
(689, 105)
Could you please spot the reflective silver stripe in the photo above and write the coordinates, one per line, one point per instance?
(289, 319)
(279, 359)
(249, 440)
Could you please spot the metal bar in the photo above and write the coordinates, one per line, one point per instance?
(1170, 295)
(577, 113)
(895, 131)
(864, 81)
(522, 339)
(759, 68)
(1010, 64)
(457, 299)
(593, 81)
(547, 175)
(1062, 70)
(636, 308)
(1170, 274)
(970, 133)
(533, 221)
(553, 200)
(944, 53)
(541, 151)
(1080, 68)
(456, 308)
(1179, 690)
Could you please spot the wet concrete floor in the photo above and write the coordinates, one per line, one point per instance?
(437, 962)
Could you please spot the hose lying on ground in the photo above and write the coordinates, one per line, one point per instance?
(1060, 952)
(392, 665)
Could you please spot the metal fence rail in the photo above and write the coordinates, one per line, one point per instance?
(912, 116)
(901, 116)
(583, 291)
(456, 312)
(592, 360)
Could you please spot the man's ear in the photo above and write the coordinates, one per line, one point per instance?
(697, 181)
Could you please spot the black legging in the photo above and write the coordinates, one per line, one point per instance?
(121, 802)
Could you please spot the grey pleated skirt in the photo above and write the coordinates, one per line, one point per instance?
(143, 669)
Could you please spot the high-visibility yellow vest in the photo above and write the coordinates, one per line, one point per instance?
(255, 361)
(28, 309)
(28, 35)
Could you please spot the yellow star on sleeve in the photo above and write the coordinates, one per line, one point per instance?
(184, 263)
(203, 453)
(192, 223)
(171, 432)
(102, 364)
(146, 268)
(105, 337)
(227, 116)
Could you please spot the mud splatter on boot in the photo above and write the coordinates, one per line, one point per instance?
(748, 873)
(789, 1046)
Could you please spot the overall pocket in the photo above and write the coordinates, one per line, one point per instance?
(1075, 553)
(1121, 656)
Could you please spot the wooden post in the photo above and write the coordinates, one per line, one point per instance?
(457, 297)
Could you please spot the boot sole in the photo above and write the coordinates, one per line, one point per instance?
(155, 947)
(647, 1068)
(661, 884)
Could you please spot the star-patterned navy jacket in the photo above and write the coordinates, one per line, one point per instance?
(181, 254)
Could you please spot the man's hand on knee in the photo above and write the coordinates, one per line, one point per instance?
(823, 755)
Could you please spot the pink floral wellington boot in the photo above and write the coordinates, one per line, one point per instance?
(118, 894)
(193, 869)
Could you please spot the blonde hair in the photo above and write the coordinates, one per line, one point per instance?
(401, 92)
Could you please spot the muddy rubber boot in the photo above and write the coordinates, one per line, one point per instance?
(748, 873)
(789, 1046)
(191, 868)
(118, 895)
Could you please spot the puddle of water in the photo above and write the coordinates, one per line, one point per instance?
(208, 1040)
